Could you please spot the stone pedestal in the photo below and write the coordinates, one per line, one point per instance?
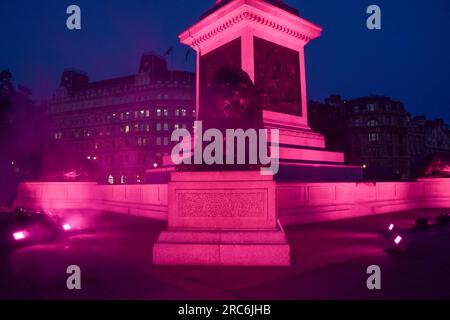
(222, 218)
(266, 39)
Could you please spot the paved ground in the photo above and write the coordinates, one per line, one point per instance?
(329, 262)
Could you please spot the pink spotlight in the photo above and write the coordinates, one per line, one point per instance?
(397, 240)
(20, 235)
(66, 227)
(391, 227)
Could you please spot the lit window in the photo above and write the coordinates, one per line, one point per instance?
(147, 113)
(127, 129)
(372, 123)
(371, 107)
(177, 112)
(193, 112)
(110, 179)
(158, 112)
(166, 112)
(166, 126)
(183, 112)
(373, 137)
(176, 126)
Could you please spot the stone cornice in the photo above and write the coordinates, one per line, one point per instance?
(268, 17)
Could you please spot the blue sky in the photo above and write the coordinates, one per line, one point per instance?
(409, 59)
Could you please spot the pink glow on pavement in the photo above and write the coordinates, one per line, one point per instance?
(20, 235)
(398, 239)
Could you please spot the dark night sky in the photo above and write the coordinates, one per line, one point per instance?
(409, 59)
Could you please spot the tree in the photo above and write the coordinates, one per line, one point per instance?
(22, 136)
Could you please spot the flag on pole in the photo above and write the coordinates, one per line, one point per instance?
(168, 52)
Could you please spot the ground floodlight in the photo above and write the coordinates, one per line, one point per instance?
(19, 235)
(398, 239)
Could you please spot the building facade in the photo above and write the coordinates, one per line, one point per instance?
(372, 132)
(427, 138)
(120, 126)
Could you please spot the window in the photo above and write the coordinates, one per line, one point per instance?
(371, 107)
(373, 137)
(176, 126)
(166, 112)
(372, 123)
(177, 112)
(158, 141)
(147, 113)
(127, 129)
(183, 112)
(356, 109)
(166, 126)
(158, 112)
(166, 141)
(158, 126)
